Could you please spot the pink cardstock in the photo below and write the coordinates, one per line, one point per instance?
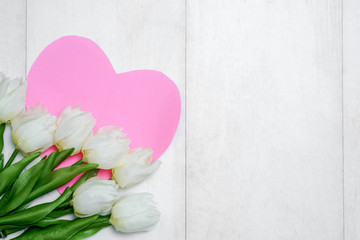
(75, 71)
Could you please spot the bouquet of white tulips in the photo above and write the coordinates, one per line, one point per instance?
(96, 203)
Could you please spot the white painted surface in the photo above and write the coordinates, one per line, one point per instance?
(12, 37)
(264, 156)
(264, 122)
(12, 51)
(141, 35)
(352, 118)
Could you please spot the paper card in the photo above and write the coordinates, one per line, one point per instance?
(75, 71)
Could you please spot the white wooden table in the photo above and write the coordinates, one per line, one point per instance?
(268, 145)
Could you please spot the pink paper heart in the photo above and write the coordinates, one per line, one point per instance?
(75, 71)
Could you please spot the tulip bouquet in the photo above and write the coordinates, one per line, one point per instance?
(96, 203)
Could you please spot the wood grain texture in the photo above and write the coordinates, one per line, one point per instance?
(264, 120)
(12, 50)
(351, 78)
(134, 35)
(264, 107)
(12, 37)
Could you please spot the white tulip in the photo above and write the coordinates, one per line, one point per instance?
(134, 213)
(73, 128)
(12, 97)
(94, 196)
(134, 167)
(33, 130)
(106, 147)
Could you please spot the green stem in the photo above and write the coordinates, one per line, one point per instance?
(60, 213)
(1, 162)
(34, 214)
(12, 158)
(43, 223)
(2, 130)
(56, 179)
(60, 231)
(10, 174)
(102, 221)
(65, 204)
(78, 162)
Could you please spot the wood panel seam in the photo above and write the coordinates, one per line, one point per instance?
(342, 114)
(185, 112)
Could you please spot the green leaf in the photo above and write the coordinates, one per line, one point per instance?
(85, 233)
(100, 223)
(78, 162)
(49, 163)
(21, 189)
(60, 213)
(61, 156)
(48, 221)
(12, 158)
(1, 162)
(34, 214)
(56, 179)
(2, 130)
(45, 222)
(22, 207)
(93, 173)
(9, 175)
(62, 231)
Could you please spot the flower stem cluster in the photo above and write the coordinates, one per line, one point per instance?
(97, 203)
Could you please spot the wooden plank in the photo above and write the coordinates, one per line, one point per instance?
(12, 52)
(264, 120)
(12, 49)
(12, 37)
(135, 35)
(351, 78)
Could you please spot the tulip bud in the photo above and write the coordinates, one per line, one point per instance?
(33, 130)
(12, 97)
(73, 128)
(94, 196)
(134, 213)
(134, 167)
(106, 147)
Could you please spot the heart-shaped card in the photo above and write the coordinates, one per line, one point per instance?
(75, 71)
